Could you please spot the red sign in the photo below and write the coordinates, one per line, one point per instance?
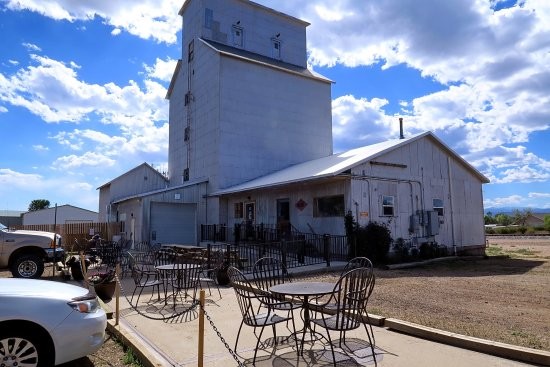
(301, 205)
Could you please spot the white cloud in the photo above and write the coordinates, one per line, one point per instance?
(3, 109)
(32, 47)
(162, 70)
(40, 148)
(512, 200)
(539, 195)
(148, 19)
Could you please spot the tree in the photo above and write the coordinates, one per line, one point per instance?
(39, 204)
(547, 222)
(503, 219)
(489, 219)
(520, 218)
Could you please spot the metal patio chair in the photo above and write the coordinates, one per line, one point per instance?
(348, 303)
(257, 308)
(144, 275)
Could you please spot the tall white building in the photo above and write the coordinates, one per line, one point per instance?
(251, 141)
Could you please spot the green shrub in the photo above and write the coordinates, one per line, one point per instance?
(373, 242)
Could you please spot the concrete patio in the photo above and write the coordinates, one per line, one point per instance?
(167, 336)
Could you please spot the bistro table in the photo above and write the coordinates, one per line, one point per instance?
(174, 273)
(303, 290)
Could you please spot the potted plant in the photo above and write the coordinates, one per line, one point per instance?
(104, 283)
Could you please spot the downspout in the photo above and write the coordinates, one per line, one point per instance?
(451, 204)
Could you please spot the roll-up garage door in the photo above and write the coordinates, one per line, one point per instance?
(173, 223)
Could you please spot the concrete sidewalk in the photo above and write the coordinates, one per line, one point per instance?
(169, 337)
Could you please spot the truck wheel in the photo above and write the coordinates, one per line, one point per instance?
(28, 266)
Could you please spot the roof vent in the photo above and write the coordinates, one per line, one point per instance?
(401, 136)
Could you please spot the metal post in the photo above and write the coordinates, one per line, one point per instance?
(326, 243)
(283, 250)
(201, 329)
(117, 294)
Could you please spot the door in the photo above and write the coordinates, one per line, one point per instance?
(283, 217)
(173, 223)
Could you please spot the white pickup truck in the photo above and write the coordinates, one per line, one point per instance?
(26, 252)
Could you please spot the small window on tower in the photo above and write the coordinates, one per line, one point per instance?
(237, 36)
(276, 48)
(208, 18)
(186, 174)
(191, 51)
(186, 134)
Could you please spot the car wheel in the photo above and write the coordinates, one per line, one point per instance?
(28, 266)
(21, 348)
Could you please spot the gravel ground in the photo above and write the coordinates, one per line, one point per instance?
(504, 298)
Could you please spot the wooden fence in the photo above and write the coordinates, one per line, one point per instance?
(78, 232)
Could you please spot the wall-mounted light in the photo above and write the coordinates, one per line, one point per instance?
(277, 35)
(238, 22)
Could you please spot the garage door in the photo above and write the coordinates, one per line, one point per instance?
(173, 223)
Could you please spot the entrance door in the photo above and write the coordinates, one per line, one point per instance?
(283, 217)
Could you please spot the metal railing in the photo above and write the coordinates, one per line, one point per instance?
(300, 250)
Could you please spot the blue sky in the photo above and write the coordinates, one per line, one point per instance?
(82, 87)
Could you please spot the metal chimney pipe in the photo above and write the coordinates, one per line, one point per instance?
(401, 136)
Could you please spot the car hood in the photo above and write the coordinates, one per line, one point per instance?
(36, 287)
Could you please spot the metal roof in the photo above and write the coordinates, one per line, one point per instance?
(336, 164)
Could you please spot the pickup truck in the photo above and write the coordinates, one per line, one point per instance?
(24, 253)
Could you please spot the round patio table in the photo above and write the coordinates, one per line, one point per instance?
(303, 290)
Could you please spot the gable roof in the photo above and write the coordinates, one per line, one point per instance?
(255, 58)
(132, 170)
(336, 164)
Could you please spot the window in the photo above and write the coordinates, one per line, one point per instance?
(208, 18)
(438, 206)
(191, 51)
(238, 210)
(388, 205)
(237, 36)
(186, 134)
(329, 206)
(276, 48)
(186, 174)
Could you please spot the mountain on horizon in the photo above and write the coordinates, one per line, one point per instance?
(512, 209)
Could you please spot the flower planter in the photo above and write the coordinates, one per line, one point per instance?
(105, 291)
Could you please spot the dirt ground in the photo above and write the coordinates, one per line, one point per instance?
(504, 298)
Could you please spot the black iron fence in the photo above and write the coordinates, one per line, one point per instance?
(293, 249)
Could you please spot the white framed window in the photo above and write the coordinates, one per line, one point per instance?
(238, 35)
(438, 206)
(388, 206)
(276, 48)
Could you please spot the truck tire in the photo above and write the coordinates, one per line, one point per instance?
(27, 266)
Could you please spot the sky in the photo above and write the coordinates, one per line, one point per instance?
(83, 86)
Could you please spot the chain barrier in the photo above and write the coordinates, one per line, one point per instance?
(194, 304)
(222, 339)
(148, 316)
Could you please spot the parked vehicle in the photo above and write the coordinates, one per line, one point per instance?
(25, 252)
(46, 323)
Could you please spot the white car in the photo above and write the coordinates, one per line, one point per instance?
(46, 323)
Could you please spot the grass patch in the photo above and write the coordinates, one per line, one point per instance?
(495, 250)
(131, 359)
